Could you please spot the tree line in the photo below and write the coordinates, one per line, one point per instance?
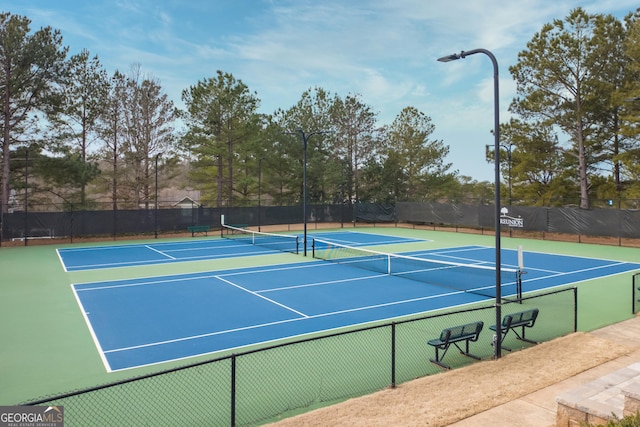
(73, 134)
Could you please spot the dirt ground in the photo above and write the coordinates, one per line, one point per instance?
(442, 399)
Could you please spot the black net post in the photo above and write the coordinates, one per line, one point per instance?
(519, 285)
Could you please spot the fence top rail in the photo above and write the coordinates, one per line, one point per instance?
(392, 323)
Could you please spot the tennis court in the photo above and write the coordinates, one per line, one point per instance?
(198, 249)
(53, 349)
(144, 321)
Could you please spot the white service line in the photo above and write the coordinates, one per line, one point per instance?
(160, 252)
(261, 296)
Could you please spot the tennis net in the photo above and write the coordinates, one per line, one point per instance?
(473, 278)
(277, 242)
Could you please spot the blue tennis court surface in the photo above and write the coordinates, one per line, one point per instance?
(140, 322)
(88, 258)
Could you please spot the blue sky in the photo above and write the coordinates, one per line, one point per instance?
(383, 50)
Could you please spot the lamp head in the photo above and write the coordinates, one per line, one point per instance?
(451, 57)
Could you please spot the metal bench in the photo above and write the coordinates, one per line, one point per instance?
(198, 229)
(511, 322)
(455, 335)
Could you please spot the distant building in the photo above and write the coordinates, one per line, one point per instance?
(186, 203)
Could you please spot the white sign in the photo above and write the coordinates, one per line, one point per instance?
(510, 221)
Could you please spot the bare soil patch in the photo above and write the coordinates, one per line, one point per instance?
(442, 399)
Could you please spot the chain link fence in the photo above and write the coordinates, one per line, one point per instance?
(70, 225)
(271, 383)
(612, 223)
(574, 221)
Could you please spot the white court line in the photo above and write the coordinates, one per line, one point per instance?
(64, 266)
(351, 310)
(261, 296)
(85, 267)
(330, 282)
(92, 332)
(160, 252)
(146, 283)
(361, 244)
(135, 245)
(199, 248)
(182, 278)
(568, 273)
(444, 251)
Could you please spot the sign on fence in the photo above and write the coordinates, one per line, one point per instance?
(505, 219)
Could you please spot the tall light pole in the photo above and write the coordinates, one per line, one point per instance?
(509, 148)
(156, 200)
(496, 132)
(259, 187)
(26, 196)
(305, 137)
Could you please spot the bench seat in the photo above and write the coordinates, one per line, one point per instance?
(510, 322)
(198, 229)
(454, 335)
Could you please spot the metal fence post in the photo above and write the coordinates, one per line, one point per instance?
(393, 355)
(233, 390)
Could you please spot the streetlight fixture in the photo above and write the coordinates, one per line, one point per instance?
(496, 134)
(259, 187)
(156, 200)
(305, 138)
(26, 197)
(508, 149)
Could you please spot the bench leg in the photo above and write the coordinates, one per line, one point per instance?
(519, 336)
(522, 337)
(438, 359)
(439, 363)
(466, 351)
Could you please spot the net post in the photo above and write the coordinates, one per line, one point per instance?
(281, 242)
(313, 247)
(519, 274)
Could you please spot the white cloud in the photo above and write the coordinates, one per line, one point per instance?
(384, 50)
